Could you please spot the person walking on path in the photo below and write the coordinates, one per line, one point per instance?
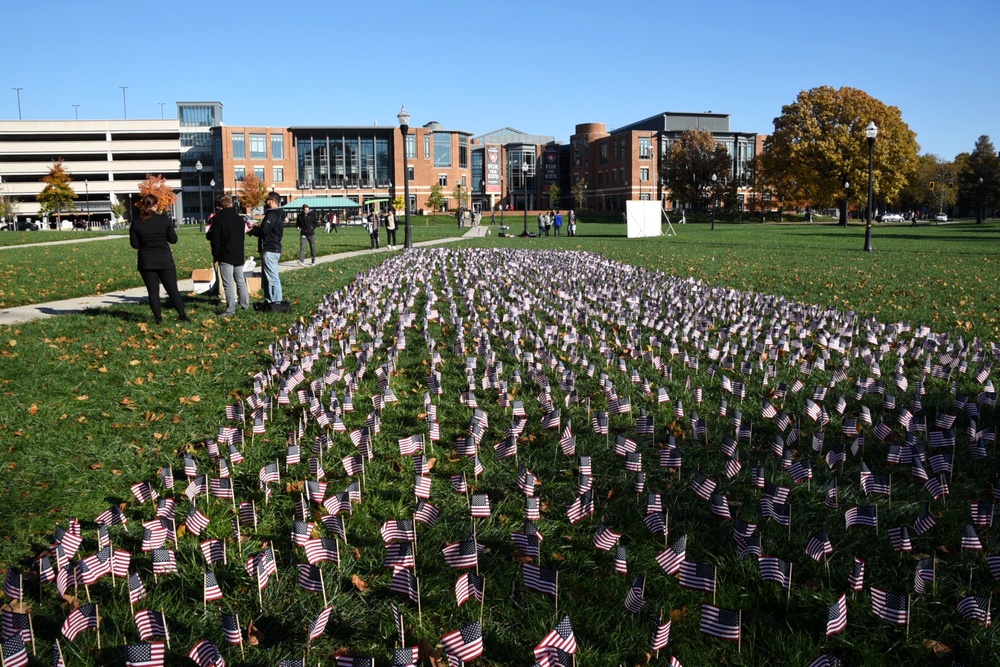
(227, 236)
(269, 233)
(306, 222)
(152, 235)
(390, 229)
(557, 223)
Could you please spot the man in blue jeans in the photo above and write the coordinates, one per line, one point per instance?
(268, 234)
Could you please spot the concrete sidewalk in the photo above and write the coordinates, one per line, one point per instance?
(39, 311)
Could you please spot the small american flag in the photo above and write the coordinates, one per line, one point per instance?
(660, 635)
(461, 555)
(466, 643)
(318, 627)
(206, 654)
(426, 513)
(80, 619)
(13, 652)
(975, 608)
(404, 582)
(136, 591)
(776, 570)
(212, 589)
(891, 607)
(322, 549)
(698, 576)
(468, 586)
(164, 561)
(819, 546)
(541, 579)
(836, 616)
(145, 655)
(673, 556)
(151, 624)
(231, 629)
(719, 622)
(635, 598)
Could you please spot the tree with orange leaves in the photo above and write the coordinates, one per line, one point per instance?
(253, 192)
(157, 186)
(57, 196)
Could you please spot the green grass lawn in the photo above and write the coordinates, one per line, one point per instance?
(94, 402)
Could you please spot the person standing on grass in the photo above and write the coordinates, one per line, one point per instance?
(572, 223)
(306, 222)
(390, 229)
(557, 224)
(269, 233)
(227, 236)
(219, 291)
(371, 224)
(152, 235)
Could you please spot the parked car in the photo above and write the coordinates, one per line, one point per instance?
(892, 217)
(941, 217)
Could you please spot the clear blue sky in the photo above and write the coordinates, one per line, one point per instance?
(538, 66)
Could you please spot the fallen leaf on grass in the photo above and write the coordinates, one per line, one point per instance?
(84, 397)
(940, 650)
(96, 466)
(254, 636)
(33, 410)
(359, 583)
(102, 369)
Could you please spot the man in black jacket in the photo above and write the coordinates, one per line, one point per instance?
(268, 234)
(227, 236)
(306, 222)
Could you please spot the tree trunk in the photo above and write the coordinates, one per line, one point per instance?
(843, 213)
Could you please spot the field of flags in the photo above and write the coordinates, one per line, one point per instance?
(506, 457)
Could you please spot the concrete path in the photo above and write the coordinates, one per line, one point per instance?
(81, 240)
(39, 311)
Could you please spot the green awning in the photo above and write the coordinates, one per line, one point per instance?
(321, 202)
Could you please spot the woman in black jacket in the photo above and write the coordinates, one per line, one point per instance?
(151, 236)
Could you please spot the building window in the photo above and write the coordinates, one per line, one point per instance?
(644, 148)
(442, 149)
(279, 174)
(239, 146)
(411, 147)
(644, 174)
(258, 147)
(604, 153)
(259, 172)
(621, 150)
(409, 173)
(427, 146)
(614, 175)
(277, 147)
(443, 180)
(463, 151)
(241, 173)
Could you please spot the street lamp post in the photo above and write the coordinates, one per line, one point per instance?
(404, 126)
(201, 202)
(18, 91)
(847, 201)
(124, 103)
(524, 176)
(979, 202)
(871, 132)
(86, 185)
(715, 179)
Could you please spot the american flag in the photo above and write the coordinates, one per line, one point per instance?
(635, 598)
(469, 585)
(318, 627)
(269, 473)
(422, 486)
(154, 535)
(599, 422)
(397, 530)
(426, 513)
(526, 481)
(164, 561)
(720, 505)
(406, 657)
(975, 608)
(82, 618)
(532, 511)
(144, 491)
(698, 576)
(560, 638)
(196, 521)
(924, 574)
(109, 517)
(404, 582)
(581, 508)
(212, 590)
(863, 515)
(136, 591)
(621, 559)
(567, 442)
(412, 444)
(659, 637)
(145, 655)
(206, 654)
(151, 624)
(605, 538)
(15, 623)
(322, 549)
(466, 643)
(970, 539)
(528, 539)
(506, 449)
(776, 570)
(310, 578)
(461, 555)
(302, 532)
(673, 556)
(541, 579)
(214, 551)
(480, 505)
(231, 628)
(12, 584)
(836, 616)
(891, 607)
(13, 652)
(353, 661)
(702, 485)
(353, 465)
(819, 545)
(719, 622)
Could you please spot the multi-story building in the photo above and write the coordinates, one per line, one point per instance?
(107, 159)
(624, 164)
(197, 120)
(514, 170)
(352, 169)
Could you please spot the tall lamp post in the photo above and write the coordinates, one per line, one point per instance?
(524, 177)
(979, 202)
(86, 185)
(715, 179)
(201, 202)
(404, 126)
(871, 132)
(847, 201)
